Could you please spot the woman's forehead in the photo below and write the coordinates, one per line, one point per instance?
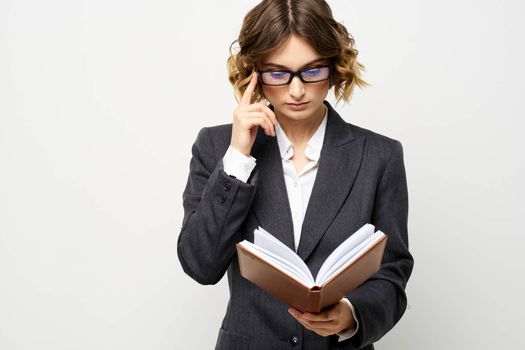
(294, 53)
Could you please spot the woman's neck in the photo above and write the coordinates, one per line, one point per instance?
(299, 132)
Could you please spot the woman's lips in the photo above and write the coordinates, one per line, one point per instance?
(298, 106)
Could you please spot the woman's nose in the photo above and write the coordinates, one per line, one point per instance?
(296, 88)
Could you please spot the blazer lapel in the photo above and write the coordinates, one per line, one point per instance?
(271, 205)
(338, 166)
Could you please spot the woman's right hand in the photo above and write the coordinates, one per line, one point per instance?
(248, 117)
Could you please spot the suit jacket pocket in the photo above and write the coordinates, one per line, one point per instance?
(232, 341)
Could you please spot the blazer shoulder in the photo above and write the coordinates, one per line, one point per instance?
(379, 144)
(215, 138)
(220, 129)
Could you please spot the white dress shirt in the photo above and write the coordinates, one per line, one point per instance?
(298, 184)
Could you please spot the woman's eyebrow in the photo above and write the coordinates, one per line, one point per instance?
(284, 67)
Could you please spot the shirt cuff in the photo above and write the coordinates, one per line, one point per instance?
(238, 164)
(349, 333)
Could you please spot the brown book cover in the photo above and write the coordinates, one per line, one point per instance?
(292, 292)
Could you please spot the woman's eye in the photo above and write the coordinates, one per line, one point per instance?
(278, 74)
(313, 71)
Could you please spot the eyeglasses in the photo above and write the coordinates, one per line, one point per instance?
(284, 77)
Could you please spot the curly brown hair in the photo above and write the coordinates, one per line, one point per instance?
(271, 22)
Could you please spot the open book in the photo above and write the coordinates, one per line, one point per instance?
(271, 265)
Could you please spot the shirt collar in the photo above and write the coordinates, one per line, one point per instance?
(314, 145)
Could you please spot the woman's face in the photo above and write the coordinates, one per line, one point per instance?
(296, 54)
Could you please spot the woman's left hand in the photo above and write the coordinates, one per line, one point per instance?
(330, 321)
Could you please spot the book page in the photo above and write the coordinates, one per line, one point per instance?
(349, 258)
(266, 240)
(348, 245)
(279, 263)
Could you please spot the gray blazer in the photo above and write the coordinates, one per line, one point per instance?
(361, 179)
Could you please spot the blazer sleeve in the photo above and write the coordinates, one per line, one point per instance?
(215, 206)
(381, 301)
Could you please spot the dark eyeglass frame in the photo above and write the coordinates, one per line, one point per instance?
(296, 73)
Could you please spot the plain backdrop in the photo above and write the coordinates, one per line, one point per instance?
(100, 102)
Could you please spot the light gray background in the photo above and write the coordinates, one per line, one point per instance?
(100, 102)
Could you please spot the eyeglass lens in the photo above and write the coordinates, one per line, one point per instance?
(282, 77)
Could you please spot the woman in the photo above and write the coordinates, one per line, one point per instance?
(290, 164)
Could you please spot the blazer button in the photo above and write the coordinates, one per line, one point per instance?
(293, 341)
(227, 186)
(221, 198)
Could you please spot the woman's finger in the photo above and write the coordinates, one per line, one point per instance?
(256, 107)
(247, 95)
(323, 330)
(258, 118)
(270, 113)
(261, 106)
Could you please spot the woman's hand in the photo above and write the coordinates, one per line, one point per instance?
(331, 321)
(248, 117)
